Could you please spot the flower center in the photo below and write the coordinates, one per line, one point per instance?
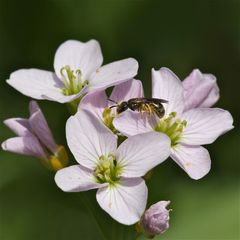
(108, 117)
(107, 170)
(73, 81)
(172, 126)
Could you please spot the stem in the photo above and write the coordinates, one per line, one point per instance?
(87, 202)
(73, 106)
(141, 237)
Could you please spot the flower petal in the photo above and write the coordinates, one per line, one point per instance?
(76, 179)
(125, 201)
(194, 160)
(213, 95)
(27, 145)
(200, 90)
(205, 125)
(86, 57)
(166, 85)
(127, 90)
(34, 82)
(88, 138)
(95, 103)
(131, 123)
(140, 153)
(58, 96)
(113, 74)
(20, 126)
(40, 127)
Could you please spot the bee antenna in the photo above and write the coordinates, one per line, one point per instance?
(112, 100)
(113, 106)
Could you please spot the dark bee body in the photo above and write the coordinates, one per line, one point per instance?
(148, 105)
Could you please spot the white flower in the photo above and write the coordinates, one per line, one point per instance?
(78, 71)
(98, 103)
(115, 172)
(188, 130)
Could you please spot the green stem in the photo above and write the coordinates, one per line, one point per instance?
(73, 106)
(87, 202)
(141, 237)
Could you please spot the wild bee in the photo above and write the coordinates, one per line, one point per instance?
(148, 105)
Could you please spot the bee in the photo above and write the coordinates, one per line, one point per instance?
(148, 105)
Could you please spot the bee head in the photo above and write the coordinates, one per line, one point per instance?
(123, 106)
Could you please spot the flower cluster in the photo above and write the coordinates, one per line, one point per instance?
(117, 139)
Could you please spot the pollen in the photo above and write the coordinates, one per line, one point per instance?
(107, 170)
(108, 116)
(172, 126)
(73, 81)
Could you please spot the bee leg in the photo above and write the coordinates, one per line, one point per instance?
(149, 112)
(160, 114)
(142, 112)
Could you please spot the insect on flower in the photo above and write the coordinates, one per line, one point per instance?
(148, 105)
(188, 130)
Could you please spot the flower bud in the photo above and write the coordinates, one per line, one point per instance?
(35, 139)
(155, 220)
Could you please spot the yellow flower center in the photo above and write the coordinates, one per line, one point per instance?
(108, 117)
(172, 126)
(73, 81)
(107, 170)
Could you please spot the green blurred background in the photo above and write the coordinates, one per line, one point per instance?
(181, 35)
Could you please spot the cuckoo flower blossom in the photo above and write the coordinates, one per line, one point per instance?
(155, 220)
(34, 138)
(115, 172)
(78, 71)
(188, 130)
(200, 90)
(98, 103)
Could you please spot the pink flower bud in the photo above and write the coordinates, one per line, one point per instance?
(34, 138)
(155, 220)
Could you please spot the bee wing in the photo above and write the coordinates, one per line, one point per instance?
(158, 100)
(157, 109)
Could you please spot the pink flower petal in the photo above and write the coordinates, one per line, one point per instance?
(20, 126)
(57, 95)
(125, 201)
(194, 160)
(131, 123)
(95, 103)
(34, 82)
(76, 179)
(212, 98)
(113, 74)
(127, 90)
(140, 153)
(86, 57)
(205, 125)
(166, 85)
(40, 127)
(27, 145)
(88, 138)
(200, 90)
